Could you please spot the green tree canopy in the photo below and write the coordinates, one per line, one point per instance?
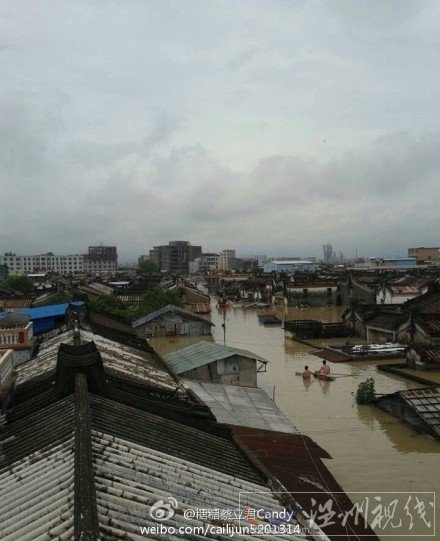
(147, 267)
(109, 304)
(153, 299)
(156, 298)
(19, 283)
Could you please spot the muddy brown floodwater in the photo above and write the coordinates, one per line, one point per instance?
(372, 451)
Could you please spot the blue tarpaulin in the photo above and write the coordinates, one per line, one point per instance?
(43, 317)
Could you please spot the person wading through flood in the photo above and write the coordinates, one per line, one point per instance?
(306, 374)
(323, 371)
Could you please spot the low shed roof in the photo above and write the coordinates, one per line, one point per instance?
(165, 310)
(241, 406)
(190, 357)
(424, 402)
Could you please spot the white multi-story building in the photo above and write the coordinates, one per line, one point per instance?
(100, 259)
(226, 259)
(26, 264)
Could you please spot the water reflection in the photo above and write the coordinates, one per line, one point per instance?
(307, 384)
(325, 386)
(393, 429)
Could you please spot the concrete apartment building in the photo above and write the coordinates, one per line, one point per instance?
(26, 264)
(425, 254)
(210, 261)
(175, 255)
(101, 259)
(98, 259)
(226, 259)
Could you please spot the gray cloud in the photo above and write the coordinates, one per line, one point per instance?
(270, 127)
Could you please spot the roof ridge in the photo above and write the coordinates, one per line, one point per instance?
(86, 524)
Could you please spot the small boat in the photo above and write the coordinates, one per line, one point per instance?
(321, 377)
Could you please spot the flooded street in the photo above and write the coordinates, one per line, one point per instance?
(371, 450)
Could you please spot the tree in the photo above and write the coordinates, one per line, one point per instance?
(365, 393)
(19, 283)
(156, 298)
(109, 304)
(147, 267)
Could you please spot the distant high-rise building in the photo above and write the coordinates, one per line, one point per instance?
(101, 259)
(226, 259)
(327, 250)
(175, 255)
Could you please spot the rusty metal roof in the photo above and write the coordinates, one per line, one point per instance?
(296, 460)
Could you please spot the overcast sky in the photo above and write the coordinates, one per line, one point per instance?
(269, 126)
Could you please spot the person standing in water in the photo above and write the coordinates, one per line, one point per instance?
(306, 374)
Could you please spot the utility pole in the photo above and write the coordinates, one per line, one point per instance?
(224, 325)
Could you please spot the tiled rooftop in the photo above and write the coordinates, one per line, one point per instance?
(117, 358)
(426, 402)
(87, 467)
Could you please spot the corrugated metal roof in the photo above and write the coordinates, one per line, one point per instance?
(241, 406)
(169, 308)
(295, 460)
(190, 357)
(46, 311)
